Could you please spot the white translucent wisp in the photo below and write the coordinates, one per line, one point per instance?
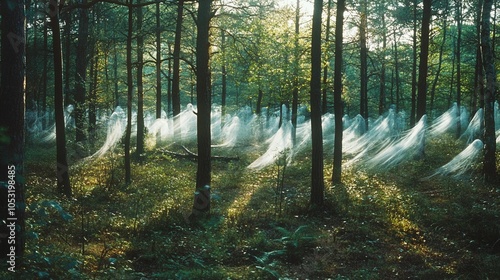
(445, 122)
(473, 130)
(410, 145)
(462, 162)
(116, 129)
(279, 144)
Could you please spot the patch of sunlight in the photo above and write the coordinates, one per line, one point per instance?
(239, 204)
(245, 195)
(411, 234)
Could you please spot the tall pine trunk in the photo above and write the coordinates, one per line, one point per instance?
(63, 183)
(130, 90)
(337, 93)
(224, 76)
(169, 82)
(296, 62)
(12, 108)
(414, 67)
(324, 103)
(158, 62)
(439, 66)
(459, 78)
(363, 55)
(140, 86)
(478, 69)
(424, 53)
(489, 162)
(92, 99)
(382, 86)
(396, 74)
(203, 174)
(176, 97)
(67, 57)
(317, 180)
(81, 73)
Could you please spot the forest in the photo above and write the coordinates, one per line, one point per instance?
(260, 139)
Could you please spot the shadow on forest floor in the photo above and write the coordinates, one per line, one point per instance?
(376, 225)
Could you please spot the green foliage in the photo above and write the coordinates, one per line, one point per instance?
(296, 243)
(373, 226)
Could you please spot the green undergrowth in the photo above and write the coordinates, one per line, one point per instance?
(375, 225)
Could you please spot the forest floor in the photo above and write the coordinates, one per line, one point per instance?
(376, 225)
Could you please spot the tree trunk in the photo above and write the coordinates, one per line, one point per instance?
(382, 94)
(115, 74)
(424, 52)
(478, 70)
(158, 62)
(92, 100)
(140, 87)
(324, 104)
(176, 98)
(489, 162)
(67, 59)
(337, 90)
(458, 55)
(203, 174)
(81, 72)
(317, 180)
(452, 75)
(396, 74)
(43, 101)
(130, 90)
(363, 55)
(414, 67)
(12, 108)
(296, 64)
(258, 108)
(439, 66)
(63, 184)
(169, 82)
(224, 76)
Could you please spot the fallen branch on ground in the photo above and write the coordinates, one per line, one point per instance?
(193, 156)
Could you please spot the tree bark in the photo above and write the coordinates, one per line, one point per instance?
(67, 57)
(382, 86)
(12, 108)
(158, 62)
(439, 66)
(324, 103)
(115, 74)
(337, 97)
(203, 174)
(43, 101)
(414, 67)
(424, 52)
(363, 55)
(81, 73)
(63, 183)
(224, 76)
(176, 98)
(169, 82)
(317, 179)
(459, 78)
(478, 70)
(258, 108)
(140, 86)
(295, 91)
(396, 74)
(92, 99)
(130, 90)
(489, 162)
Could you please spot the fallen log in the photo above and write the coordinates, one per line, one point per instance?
(193, 156)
